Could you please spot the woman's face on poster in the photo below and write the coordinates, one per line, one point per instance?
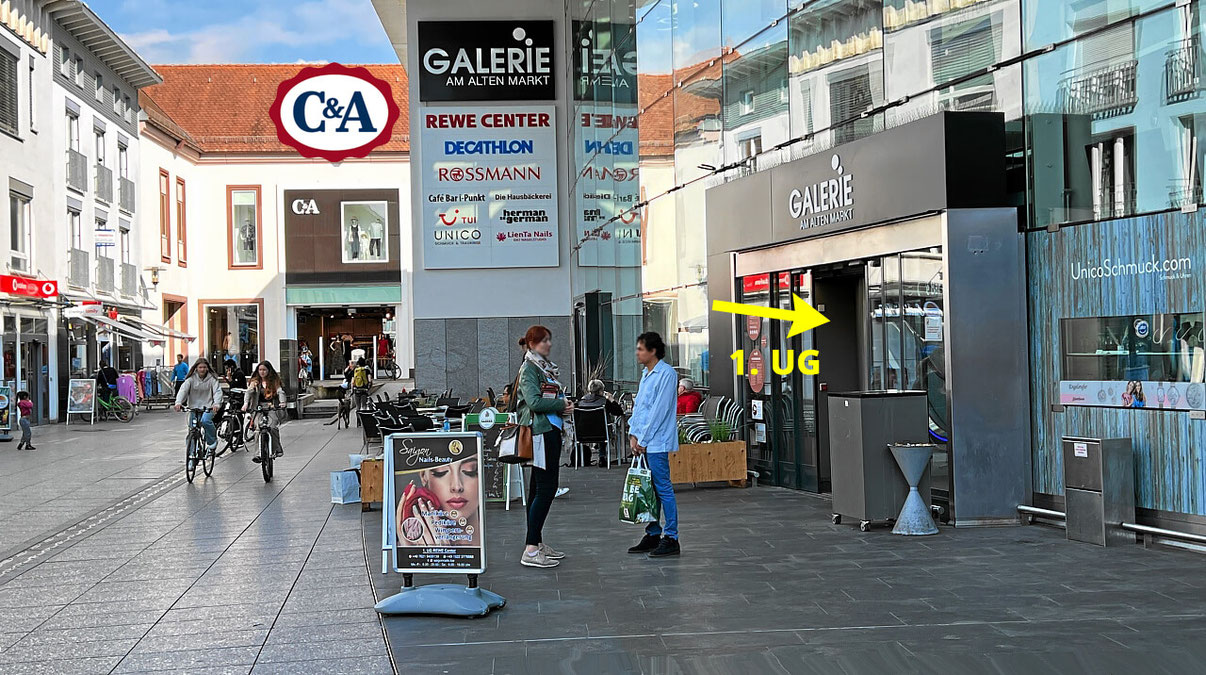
(455, 486)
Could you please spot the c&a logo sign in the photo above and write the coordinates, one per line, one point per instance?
(334, 112)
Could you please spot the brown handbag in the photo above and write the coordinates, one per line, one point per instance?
(515, 441)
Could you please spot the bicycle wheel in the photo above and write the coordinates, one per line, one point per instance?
(190, 457)
(123, 409)
(208, 457)
(266, 456)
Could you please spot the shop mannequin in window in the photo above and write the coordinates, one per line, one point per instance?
(376, 235)
(354, 239)
(247, 232)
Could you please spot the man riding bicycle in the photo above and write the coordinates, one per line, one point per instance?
(202, 390)
(265, 390)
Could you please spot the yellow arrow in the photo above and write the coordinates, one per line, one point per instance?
(802, 315)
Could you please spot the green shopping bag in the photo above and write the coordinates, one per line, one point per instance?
(638, 503)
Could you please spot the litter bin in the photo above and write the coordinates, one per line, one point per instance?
(1099, 489)
(867, 485)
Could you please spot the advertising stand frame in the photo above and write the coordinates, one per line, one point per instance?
(442, 599)
(91, 411)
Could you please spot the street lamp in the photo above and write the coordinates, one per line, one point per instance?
(155, 270)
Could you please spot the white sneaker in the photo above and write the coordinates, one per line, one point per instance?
(538, 560)
(561, 492)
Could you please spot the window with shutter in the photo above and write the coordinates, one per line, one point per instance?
(850, 94)
(964, 47)
(1109, 46)
(8, 92)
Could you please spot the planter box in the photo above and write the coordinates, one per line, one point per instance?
(707, 462)
(372, 487)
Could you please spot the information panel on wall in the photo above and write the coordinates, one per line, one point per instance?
(489, 177)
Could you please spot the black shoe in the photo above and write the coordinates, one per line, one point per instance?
(257, 459)
(667, 547)
(648, 543)
(29, 447)
(20, 446)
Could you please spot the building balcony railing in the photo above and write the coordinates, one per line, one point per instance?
(104, 275)
(78, 274)
(1183, 70)
(1184, 192)
(77, 171)
(1114, 203)
(104, 183)
(126, 187)
(129, 280)
(1101, 92)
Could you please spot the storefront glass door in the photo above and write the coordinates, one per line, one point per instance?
(887, 332)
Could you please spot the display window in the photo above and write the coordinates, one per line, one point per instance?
(1135, 361)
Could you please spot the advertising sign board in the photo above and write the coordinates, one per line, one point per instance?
(436, 521)
(486, 61)
(31, 288)
(81, 398)
(489, 194)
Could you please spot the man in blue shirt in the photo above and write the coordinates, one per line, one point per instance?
(179, 373)
(653, 432)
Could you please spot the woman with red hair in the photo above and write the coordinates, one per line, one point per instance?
(541, 405)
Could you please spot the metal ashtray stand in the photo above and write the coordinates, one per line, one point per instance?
(914, 518)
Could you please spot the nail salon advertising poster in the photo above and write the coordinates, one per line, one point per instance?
(437, 520)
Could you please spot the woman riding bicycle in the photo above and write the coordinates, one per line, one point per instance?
(265, 390)
(201, 389)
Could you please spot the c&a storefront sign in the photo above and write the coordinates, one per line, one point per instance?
(334, 112)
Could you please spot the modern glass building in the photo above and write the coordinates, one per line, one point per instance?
(1100, 111)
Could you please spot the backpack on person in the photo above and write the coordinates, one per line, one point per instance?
(360, 378)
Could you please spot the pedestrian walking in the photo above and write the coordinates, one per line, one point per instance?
(541, 406)
(179, 373)
(653, 432)
(25, 409)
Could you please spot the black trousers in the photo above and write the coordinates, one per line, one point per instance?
(543, 487)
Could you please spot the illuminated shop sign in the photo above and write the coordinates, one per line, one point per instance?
(486, 61)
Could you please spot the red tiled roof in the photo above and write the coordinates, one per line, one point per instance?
(224, 107)
(158, 117)
(681, 111)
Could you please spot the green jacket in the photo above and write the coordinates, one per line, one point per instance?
(533, 409)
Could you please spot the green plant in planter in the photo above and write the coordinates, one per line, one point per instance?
(720, 431)
(682, 437)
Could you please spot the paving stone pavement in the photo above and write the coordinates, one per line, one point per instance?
(767, 584)
(227, 575)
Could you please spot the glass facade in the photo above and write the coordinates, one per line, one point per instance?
(1101, 100)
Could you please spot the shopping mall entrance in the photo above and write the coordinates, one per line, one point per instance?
(885, 331)
(335, 334)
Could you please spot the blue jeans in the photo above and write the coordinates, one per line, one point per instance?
(207, 426)
(26, 432)
(659, 467)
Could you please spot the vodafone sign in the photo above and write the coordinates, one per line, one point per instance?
(334, 112)
(30, 288)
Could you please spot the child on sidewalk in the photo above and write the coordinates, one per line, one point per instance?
(26, 407)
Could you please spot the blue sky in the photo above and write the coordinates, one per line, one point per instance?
(249, 31)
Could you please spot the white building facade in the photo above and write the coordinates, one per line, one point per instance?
(252, 245)
(70, 151)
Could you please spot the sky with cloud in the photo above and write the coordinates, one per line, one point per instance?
(249, 31)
